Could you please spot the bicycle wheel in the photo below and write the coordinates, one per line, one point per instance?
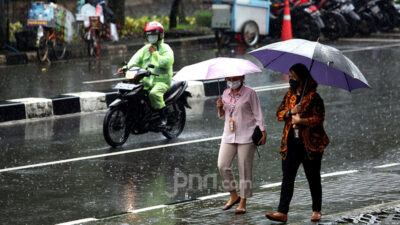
(59, 48)
(42, 49)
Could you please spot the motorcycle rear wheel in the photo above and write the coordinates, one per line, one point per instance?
(115, 130)
(176, 121)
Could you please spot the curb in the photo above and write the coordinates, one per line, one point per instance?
(87, 101)
(75, 51)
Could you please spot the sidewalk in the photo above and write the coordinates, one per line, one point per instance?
(342, 193)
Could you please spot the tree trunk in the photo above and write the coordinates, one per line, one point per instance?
(118, 7)
(174, 13)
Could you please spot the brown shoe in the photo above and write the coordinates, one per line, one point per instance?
(316, 216)
(278, 216)
(240, 211)
(226, 207)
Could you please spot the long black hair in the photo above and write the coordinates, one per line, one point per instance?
(304, 74)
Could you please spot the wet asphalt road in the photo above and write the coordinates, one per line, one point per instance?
(362, 126)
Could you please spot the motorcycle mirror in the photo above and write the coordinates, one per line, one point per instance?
(151, 66)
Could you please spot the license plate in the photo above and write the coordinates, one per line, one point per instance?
(125, 86)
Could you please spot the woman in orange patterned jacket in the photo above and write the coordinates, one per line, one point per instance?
(303, 140)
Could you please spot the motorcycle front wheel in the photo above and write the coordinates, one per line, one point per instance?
(176, 120)
(115, 130)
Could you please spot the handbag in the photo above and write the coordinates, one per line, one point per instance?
(257, 135)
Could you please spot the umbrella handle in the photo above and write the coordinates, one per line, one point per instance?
(219, 89)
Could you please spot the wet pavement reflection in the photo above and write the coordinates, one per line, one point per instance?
(362, 125)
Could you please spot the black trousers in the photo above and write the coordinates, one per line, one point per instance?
(297, 155)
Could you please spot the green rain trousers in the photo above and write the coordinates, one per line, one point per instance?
(162, 59)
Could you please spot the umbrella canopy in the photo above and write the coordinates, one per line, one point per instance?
(327, 65)
(216, 68)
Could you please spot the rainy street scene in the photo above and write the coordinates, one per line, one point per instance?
(199, 112)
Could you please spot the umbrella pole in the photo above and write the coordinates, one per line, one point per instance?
(219, 89)
(305, 85)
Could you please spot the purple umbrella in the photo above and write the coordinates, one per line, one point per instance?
(216, 68)
(327, 65)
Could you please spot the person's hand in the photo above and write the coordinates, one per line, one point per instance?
(119, 70)
(151, 49)
(220, 104)
(296, 109)
(263, 138)
(296, 119)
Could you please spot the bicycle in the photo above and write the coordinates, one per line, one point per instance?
(48, 40)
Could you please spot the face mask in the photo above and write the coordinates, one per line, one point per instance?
(294, 84)
(234, 84)
(152, 38)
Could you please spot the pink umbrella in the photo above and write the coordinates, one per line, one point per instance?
(216, 68)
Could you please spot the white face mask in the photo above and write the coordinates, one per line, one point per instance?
(153, 38)
(234, 84)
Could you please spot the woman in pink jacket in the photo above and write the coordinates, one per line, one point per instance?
(241, 110)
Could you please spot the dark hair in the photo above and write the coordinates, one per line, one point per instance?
(303, 73)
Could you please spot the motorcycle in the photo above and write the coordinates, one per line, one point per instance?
(306, 24)
(131, 112)
(383, 13)
(347, 9)
(336, 24)
(390, 17)
(364, 10)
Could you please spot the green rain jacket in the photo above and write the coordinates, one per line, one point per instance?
(162, 59)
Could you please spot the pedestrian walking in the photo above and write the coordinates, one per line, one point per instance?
(241, 110)
(303, 140)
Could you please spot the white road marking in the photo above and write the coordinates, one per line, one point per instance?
(387, 165)
(371, 48)
(104, 81)
(339, 173)
(213, 196)
(272, 88)
(148, 208)
(369, 40)
(271, 185)
(78, 221)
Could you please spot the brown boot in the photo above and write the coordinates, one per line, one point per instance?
(316, 216)
(278, 216)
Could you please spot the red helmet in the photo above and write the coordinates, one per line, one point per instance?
(154, 26)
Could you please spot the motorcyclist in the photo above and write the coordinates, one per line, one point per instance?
(159, 54)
